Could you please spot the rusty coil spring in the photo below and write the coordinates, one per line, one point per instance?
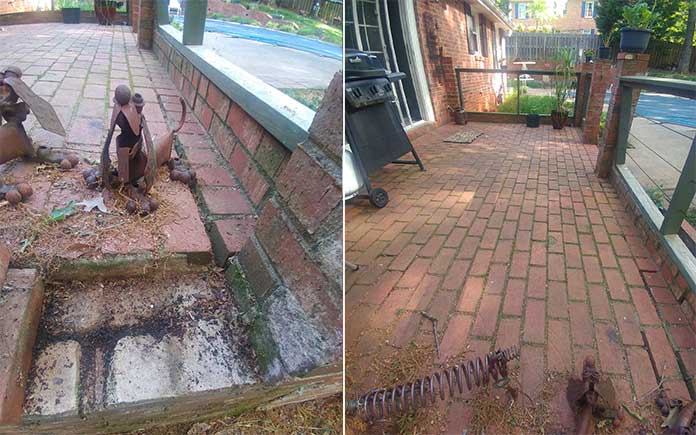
(381, 402)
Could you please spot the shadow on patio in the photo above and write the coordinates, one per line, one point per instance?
(511, 240)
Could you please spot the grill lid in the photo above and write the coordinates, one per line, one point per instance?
(361, 65)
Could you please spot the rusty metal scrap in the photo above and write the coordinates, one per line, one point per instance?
(381, 402)
(138, 156)
(592, 398)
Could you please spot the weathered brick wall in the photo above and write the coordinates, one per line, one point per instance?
(295, 253)
(627, 64)
(667, 267)
(443, 37)
(13, 6)
(571, 22)
(601, 79)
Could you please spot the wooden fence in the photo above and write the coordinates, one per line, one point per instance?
(544, 46)
(665, 55)
(330, 11)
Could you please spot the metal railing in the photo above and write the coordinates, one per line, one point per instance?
(668, 223)
(512, 83)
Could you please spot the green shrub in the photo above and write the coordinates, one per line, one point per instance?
(217, 16)
(539, 104)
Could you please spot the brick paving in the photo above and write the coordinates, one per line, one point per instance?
(77, 67)
(510, 240)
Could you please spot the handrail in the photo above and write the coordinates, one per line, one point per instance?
(669, 225)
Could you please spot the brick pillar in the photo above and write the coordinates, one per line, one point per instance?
(627, 64)
(293, 261)
(601, 77)
(135, 14)
(146, 23)
(585, 70)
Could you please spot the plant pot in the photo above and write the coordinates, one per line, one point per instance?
(71, 15)
(588, 59)
(533, 120)
(634, 40)
(605, 53)
(558, 119)
(460, 117)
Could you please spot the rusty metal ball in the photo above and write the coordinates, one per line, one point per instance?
(13, 197)
(175, 175)
(154, 204)
(130, 206)
(185, 177)
(91, 181)
(25, 190)
(73, 159)
(122, 95)
(65, 164)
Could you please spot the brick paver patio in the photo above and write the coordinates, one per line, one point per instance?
(511, 240)
(77, 67)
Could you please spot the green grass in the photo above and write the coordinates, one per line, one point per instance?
(657, 196)
(235, 19)
(309, 97)
(539, 104)
(306, 26)
(671, 75)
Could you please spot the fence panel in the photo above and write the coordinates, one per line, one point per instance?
(544, 46)
(329, 11)
(665, 55)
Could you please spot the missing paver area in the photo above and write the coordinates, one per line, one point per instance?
(103, 344)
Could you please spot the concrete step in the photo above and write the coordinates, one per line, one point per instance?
(106, 343)
(21, 298)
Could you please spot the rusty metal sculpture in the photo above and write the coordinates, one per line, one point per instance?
(138, 157)
(381, 402)
(597, 399)
(16, 101)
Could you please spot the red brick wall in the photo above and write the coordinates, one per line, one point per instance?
(443, 38)
(571, 22)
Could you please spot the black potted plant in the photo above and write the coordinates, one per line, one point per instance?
(533, 120)
(638, 21)
(565, 69)
(604, 51)
(70, 10)
(589, 55)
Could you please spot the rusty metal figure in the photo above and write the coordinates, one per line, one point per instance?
(138, 157)
(16, 101)
(382, 402)
(597, 401)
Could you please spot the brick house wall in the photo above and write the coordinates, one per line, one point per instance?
(572, 21)
(12, 6)
(442, 33)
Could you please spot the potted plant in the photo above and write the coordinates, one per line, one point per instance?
(638, 21)
(563, 81)
(533, 120)
(605, 49)
(70, 10)
(589, 55)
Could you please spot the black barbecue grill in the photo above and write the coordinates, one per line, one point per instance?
(373, 127)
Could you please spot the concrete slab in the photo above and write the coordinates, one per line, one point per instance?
(55, 385)
(82, 308)
(21, 299)
(144, 367)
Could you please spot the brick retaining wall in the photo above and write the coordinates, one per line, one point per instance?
(296, 244)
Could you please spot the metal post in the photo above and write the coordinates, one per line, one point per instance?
(459, 89)
(194, 21)
(518, 93)
(683, 195)
(162, 12)
(625, 121)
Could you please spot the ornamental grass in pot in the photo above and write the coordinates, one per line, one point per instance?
(563, 81)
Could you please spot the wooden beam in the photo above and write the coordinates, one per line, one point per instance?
(194, 22)
(162, 10)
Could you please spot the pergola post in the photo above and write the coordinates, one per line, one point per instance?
(162, 12)
(194, 21)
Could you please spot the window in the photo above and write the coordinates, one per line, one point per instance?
(484, 35)
(588, 9)
(521, 11)
(470, 30)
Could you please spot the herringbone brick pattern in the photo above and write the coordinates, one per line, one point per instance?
(509, 240)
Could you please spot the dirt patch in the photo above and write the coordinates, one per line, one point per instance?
(39, 240)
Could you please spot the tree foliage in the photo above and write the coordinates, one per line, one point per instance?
(671, 25)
